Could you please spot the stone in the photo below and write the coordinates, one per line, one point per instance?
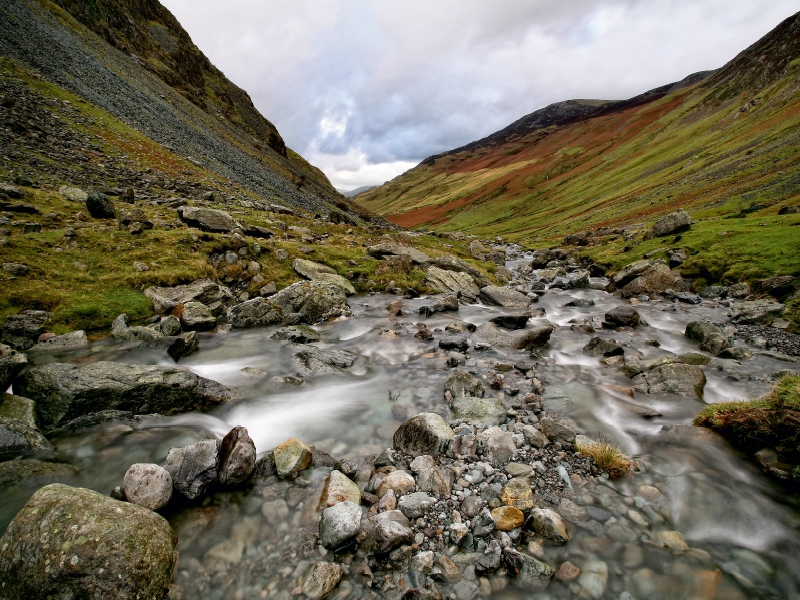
(594, 578)
(20, 437)
(755, 312)
(176, 346)
(11, 365)
(193, 468)
(99, 206)
(72, 193)
(567, 571)
(322, 362)
(715, 343)
(485, 411)
(339, 524)
(499, 447)
(700, 330)
(445, 303)
(623, 316)
(507, 518)
(398, 481)
(291, 457)
(73, 339)
(571, 511)
(169, 326)
(458, 282)
(673, 540)
(221, 557)
(415, 504)
(297, 334)
(237, 457)
(207, 219)
(511, 321)
(340, 488)
(504, 296)
(524, 339)
(318, 272)
(517, 493)
(387, 248)
(422, 562)
(422, 463)
(197, 317)
(323, 578)
(675, 378)
(21, 331)
(385, 532)
(308, 302)
(601, 347)
(555, 431)
(148, 485)
(19, 409)
(65, 391)
(463, 383)
(425, 433)
(675, 222)
(548, 524)
(92, 547)
(534, 437)
(736, 353)
(437, 480)
(204, 291)
(454, 342)
(18, 269)
(532, 575)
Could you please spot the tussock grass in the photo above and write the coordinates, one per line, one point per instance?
(607, 456)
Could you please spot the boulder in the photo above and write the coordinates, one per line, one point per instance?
(324, 362)
(169, 325)
(75, 543)
(700, 330)
(197, 317)
(308, 302)
(462, 284)
(463, 383)
(72, 193)
(204, 291)
(18, 409)
(715, 343)
(73, 339)
(504, 296)
(99, 206)
(548, 524)
(531, 575)
(65, 391)
(339, 524)
(512, 322)
(672, 223)
(476, 410)
(291, 457)
(736, 353)
(20, 331)
(11, 364)
(556, 432)
(415, 504)
(176, 346)
(194, 468)
(425, 433)
(388, 248)
(454, 342)
(18, 437)
(673, 378)
(622, 316)
(524, 339)
(237, 457)
(318, 272)
(657, 279)
(148, 485)
(756, 312)
(632, 271)
(448, 262)
(340, 488)
(323, 578)
(207, 219)
(297, 334)
(445, 303)
(600, 347)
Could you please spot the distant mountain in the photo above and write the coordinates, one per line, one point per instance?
(727, 138)
(357, 191)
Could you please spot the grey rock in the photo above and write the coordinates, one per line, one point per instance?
(672, 223)
(524, 339)
(555, 431)
(237, 457)
(168, 326)
(511, 321)
(499, 447)
(736, 353)
(715, 343)
(148, 485)
(739, 291)
(207, 219)
(323, 578)
(425, 433)
(193, 468)
(714, 291)
(463, 383)
(73, 339)
(197, 317)
(445, 303)
(457, 282)
(339, 524)
(436, 480)
(601, 347)
(18, 409)
(385, 535)
(700, 330)
(206, 292)
(675, 378)
(18, 269)
(454, 342)
(472, 409)
(18, 438)
(415, 504)
(483, 524)
(11, 365)
(549, 525)
(297, 334)
(388, 248)
(322, 361)
(176, 346)
(756, 312)
(531, 575)
(580, 303)
(99, 206)
(623, 316)
(20, 331)
(534, 437)
(72, 193)
(308, 302)
(318, 272)
(504, 296)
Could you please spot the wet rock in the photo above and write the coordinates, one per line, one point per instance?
(756, 312)
(385, 533)
(673, 540)
(571, 511)
(700, 330)
(204, 291)
(318, 272)
(567, 572)
(19, 409)
(325, 361)
(531, 575)
(323, 578)
(507, 518)
(659, 279)
(676, 378)
(447, 303)
(672, 223)
(207, 219)
(73, 339)
(436, 480)
(524, 339)
(18, 438)
(715, 343)
(11, 365)
(511, 321)
(415, 504)
(99, 206)
(425, 433)
(460, 283)
(499, 447)
(65, 391)
(21, 331)
(555, 431)
(736, 353)
(504, 296)
(197, 317)
(193, 468)
(580, 303)
(297, 334)
(486, 411)
(176, 346)
(291, 457)
(454, 342)
(549, 525)
(340, 488)
(148, 485)
(594, 578)
(339, 524)
(75, 543)
(399, 482)
(237, 457)
(602, 347)
(623, 316)
(308, 302)
(463, 383)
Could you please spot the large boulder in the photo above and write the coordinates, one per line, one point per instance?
(204, 291)
(448, 262)
(657, 279)
(75, 543)
(207, 219)
(194, 468)
(196, 316)
(700, 330)
(463, 383)
(504, 296)
(756, 312)
(389, 248)
(443, 303)
(11, 364)
(20, 331)
(453, 281)
(99, 206)
(425, 433)
(632, 271)
(622, 316)
(65, 391)
(486, 411)
(523, 339)
(317, 272)
(304, 302)
(672, 378)
(675, 222)
(73, 339)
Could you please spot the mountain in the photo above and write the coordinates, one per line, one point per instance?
(358, 190)
(717, 143)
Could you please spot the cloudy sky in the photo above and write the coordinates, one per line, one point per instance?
(366, 89)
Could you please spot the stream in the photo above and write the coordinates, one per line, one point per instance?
(743, 541)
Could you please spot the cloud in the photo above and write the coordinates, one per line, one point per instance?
(382, 85)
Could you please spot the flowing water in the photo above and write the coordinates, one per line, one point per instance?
(743, 539)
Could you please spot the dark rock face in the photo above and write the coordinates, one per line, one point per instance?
(489, 333)
(99, 206)
(237, 457)
(64, 391)
(425, 433)
(675, 222)
(21, 330)
(11, 363)
(511, 321)
(193, 468)
(75, 543)
(600, 347)
(207, 219)
(454, 342)
(623, 316)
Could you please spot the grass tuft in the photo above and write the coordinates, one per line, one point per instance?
(607, 456)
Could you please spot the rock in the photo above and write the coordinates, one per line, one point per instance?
(580, 303)
(567, 572)
(600, 347)
(415, 504)
(672, 223)
(148, 485)
(676, 378)
(323, 578)
(317, 272)
(458, 282)
(18, 408)
(221, 557)
(524, 339)
(571, 511)
(594, 578)
(504, 296)
(511, 321)
(736, 353)
(739, 291)
(425, 433)
(340, 488)
(73, 339)
(20, 331)
(399, 482)
(656, 279)
(193, 468)
(291, 457)
(499, 447)
(448, 262)
(549, 525)
(673, 540)
(20, 437)
(555, 431)
(11, 364)
(339, 524)
(204, 291)
(755, 312)
(534, 437)
(507, 518)
(65, 391)
(445, 303)
(454, 342)
(472, 409)
(436, 480)
(237, 457)
(197, 317)
(176, 346)
(99, 206)
(714, 291)
(483, 524)
(517, 493)
(387, 248)
(700, 330)
(531, 575)
(385, 534)
(462, 383)
(422, 562)
(715, 343)
(297, 334)
(207, 219)
(18, 269)
(325, 361)
(308, 302)
(168, 326)
(623, 316)
(73, 194)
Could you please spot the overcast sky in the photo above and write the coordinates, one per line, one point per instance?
(366, 89)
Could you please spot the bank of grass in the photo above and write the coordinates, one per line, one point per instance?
(607, 456)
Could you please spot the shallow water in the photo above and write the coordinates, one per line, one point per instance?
(743, 540)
